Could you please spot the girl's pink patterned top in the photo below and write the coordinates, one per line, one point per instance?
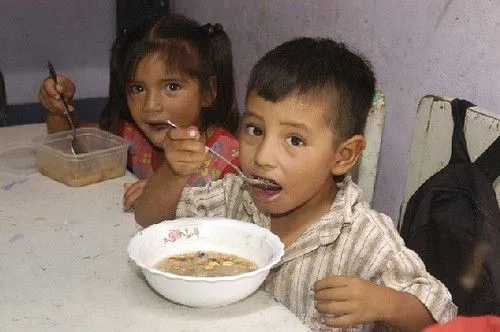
(142, 155)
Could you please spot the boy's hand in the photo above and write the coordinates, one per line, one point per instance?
(184, 152)
(48, 95)
(132, 193)
(343, 301)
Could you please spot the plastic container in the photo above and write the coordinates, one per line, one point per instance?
(18, 158)
(106, 157)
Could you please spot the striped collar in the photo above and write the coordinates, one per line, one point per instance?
(323, 232)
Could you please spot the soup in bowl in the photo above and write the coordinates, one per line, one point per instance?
(205, 262)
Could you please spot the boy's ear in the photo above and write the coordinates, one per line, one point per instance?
(210, 95)
(348, 153)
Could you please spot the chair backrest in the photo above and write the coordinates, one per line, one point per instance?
(365, 172)
(431, 141)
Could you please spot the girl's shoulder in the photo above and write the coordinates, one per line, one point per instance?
(221, 134)
(141, 159)
(227, 145)
(128, 130)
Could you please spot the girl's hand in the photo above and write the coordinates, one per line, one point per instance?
(184, 151)
(132, 193)
(48, 95)
(343, 301)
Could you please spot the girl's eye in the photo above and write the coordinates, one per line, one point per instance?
(295, 141)
(253, 130)
(136, 89)
(173, 87)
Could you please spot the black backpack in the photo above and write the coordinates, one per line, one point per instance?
(453, 223)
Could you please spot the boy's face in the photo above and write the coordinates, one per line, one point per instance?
(157, 95)
(290, 143)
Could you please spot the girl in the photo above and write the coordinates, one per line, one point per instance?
(167, 68)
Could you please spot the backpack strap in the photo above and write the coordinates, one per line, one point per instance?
(489, 160)
(459, 151)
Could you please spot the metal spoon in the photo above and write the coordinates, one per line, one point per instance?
(75, 146)
(257, 182)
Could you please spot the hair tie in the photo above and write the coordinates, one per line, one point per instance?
(211, 29)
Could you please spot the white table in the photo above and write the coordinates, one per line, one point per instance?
(64, 266)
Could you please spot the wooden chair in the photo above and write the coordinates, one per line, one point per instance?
(365, 172)
(431, 141)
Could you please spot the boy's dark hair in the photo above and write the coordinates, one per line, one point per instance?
(318, 65)
(201, 52)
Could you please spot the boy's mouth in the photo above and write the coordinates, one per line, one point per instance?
(265, 194)
(261, 192)
(274, 185)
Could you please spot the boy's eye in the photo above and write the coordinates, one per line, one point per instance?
(173, 87)
(295, 140)
(253, 130)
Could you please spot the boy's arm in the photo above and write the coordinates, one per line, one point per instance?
(404, 311)
(344, 301)
(160, 196)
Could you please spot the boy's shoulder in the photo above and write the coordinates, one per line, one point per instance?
(367, 219)
(350, 200)
(359, 215)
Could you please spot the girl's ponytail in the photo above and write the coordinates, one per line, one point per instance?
(116, 104)
(116, 108)
(220, 58)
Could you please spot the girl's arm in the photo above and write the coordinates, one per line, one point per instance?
(58, 122)
(184, 155)
(160, 196)
(49, 97)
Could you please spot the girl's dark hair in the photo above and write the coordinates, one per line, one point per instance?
(321, 66)
(201, 52)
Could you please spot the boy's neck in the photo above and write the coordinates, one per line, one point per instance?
(290, 226)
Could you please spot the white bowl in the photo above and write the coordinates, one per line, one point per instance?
(184, 235)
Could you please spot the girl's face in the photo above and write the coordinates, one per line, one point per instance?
(157, 95)
(289, 142)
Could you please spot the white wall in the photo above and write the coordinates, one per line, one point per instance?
(417, 47)
(75, 35)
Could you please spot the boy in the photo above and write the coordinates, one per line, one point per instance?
(345, 265)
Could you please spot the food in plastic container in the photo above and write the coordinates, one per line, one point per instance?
(106, 157)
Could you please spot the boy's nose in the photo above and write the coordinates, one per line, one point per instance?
(265, 154)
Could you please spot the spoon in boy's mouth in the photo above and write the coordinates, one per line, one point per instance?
(263, 183)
